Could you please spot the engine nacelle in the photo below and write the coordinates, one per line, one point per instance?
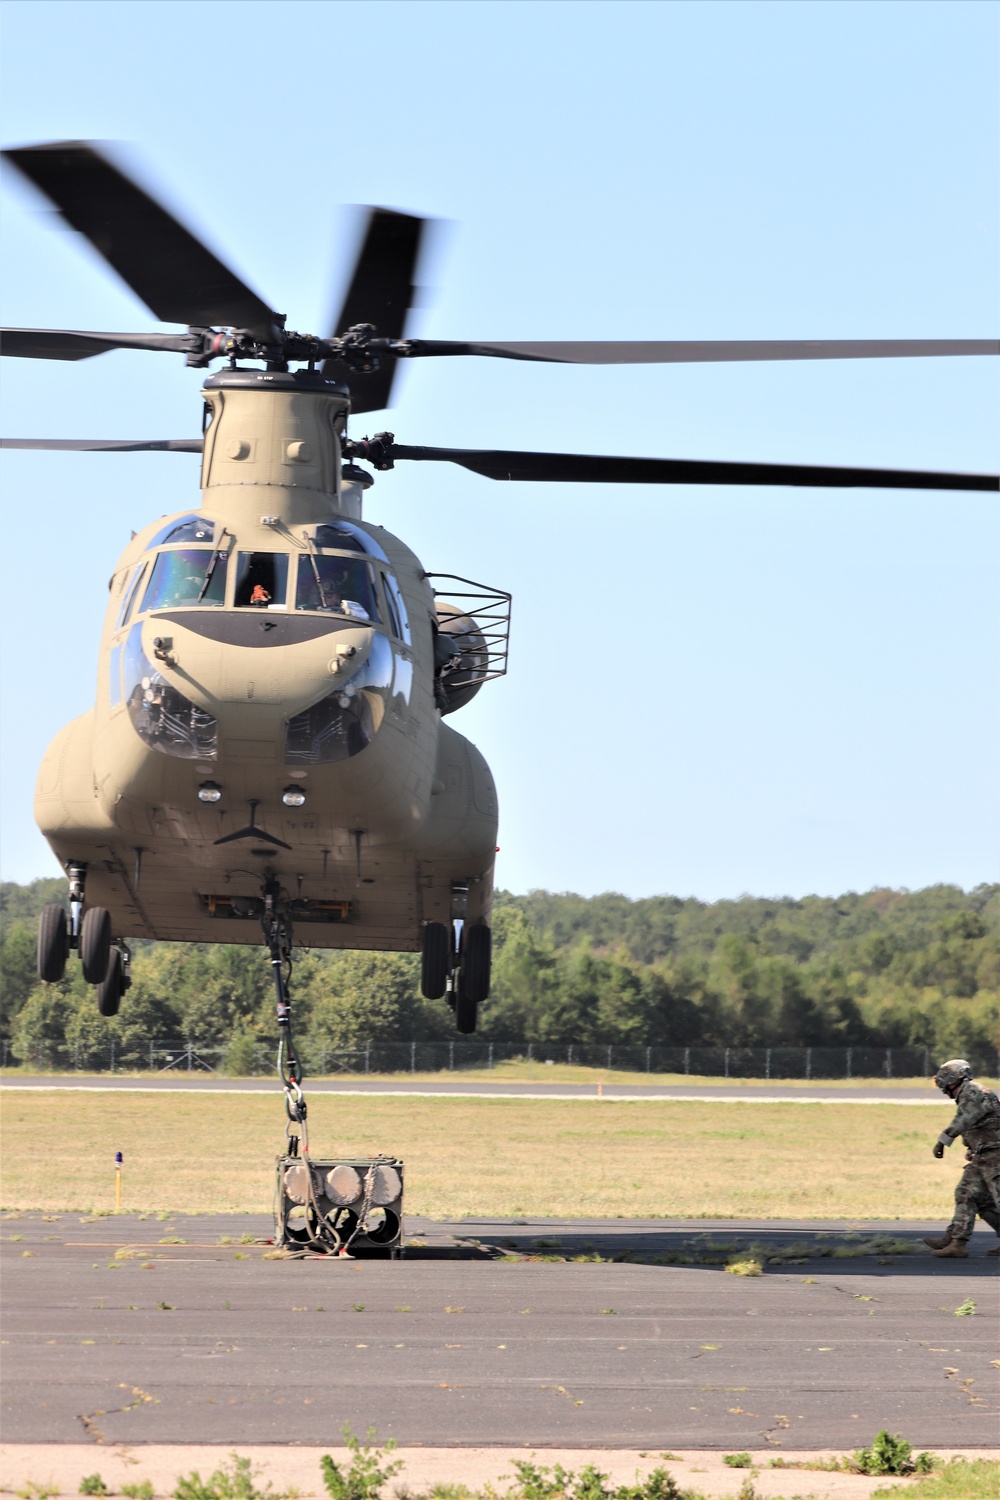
(461, 657)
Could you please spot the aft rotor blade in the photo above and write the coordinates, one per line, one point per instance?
(578, 468)
(65, 343)
(712, 351)
(107, 445)
(380, 293)
(177, 277)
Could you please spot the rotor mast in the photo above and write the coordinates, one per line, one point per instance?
(273, 447)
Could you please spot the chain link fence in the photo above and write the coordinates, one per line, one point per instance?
(245, 1057)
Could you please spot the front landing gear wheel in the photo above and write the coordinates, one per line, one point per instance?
(95, 943)
(109, 991)
(53, 944)
(435, 961)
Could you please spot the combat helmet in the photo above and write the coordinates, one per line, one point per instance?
(950, 1074)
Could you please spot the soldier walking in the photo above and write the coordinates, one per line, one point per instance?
(977, 1121)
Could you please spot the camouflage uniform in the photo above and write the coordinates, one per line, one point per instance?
(977, 1121)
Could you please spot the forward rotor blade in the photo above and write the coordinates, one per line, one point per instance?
(65, 343)
(712, 351)
(380, 293)
(107, 445)
(577, 468)
(177, 277)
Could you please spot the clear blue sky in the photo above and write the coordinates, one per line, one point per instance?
(711, 691)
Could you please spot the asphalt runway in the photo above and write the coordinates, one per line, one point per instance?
(182, 1082)
(121, 1330)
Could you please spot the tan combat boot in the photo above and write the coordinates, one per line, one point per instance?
(941, 1241)
(994, 1251)
(957, 1248)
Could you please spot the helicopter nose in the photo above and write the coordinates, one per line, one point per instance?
(221, 661)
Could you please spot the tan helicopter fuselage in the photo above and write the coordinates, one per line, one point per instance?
(278, 681)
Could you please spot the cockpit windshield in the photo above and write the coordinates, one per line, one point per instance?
(341, 585)
(185, 529)
(346, 537)
(188, 575)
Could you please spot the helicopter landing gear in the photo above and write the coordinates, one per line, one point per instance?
(457, 961)
(115, 982)
(89, 932)
(471, 980)
(436, 960)
(53, 944)
(95, 944)
(466, 1010)
(477, 961)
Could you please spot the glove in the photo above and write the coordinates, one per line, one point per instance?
(938, 1149)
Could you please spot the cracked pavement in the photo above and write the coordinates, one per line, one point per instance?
(123, 1330)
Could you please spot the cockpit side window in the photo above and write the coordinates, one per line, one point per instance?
(390, 606)
(129, 595)
(187, 575)
(340, 585)
(185, 529)
(396, 608)
(261, 580)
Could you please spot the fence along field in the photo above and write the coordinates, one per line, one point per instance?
(510, 1060)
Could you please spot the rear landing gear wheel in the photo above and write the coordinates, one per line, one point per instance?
(95, 943)
(53, 944)
(476, 964)
(109, 991)
(435, 961)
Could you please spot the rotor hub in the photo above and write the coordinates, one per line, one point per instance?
(306, 381)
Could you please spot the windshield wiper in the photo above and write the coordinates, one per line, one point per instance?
(315, 571)
(210, 570)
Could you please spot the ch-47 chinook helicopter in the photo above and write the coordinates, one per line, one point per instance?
(268, 746)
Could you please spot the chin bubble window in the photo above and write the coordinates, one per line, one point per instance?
(187, 575)
(162, 717)
(261, 580)
(339, 585)
(346, 720)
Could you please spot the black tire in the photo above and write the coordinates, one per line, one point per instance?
(95, 943)
(109, 991)
(477, 962)
(465, 1007)
(53, 944)
(435, 963)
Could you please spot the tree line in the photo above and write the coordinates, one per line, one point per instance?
(885, 968)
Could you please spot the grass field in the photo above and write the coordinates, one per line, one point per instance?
(504, 1157)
